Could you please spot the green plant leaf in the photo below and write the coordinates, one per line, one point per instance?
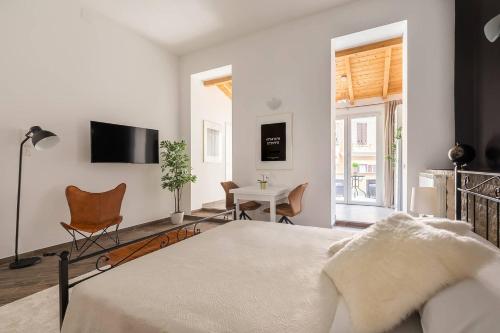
(176, 169)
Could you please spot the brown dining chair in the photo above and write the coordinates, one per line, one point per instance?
(244, 206)
(93, 213)
(293, 207)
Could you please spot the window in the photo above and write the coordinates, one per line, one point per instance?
(362, 134)
(213, 137)
(212, 142)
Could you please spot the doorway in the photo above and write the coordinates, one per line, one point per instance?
(368, 123)
(211, 137)
(359, 158)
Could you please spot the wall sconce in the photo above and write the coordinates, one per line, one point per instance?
(274, 103)
(492, 29)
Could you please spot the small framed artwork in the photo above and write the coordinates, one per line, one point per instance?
(273, 142)
(274, 146)
(212, 142)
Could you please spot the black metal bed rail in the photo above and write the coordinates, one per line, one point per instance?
(65, 261)
(474, 192)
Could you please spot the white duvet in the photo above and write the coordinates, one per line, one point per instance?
(241, 277)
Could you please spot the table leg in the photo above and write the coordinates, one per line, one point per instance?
(237, 206)
(272, 210)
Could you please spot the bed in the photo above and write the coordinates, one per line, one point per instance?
(239, 277)
(245, 276)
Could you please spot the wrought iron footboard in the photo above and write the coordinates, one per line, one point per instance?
(182, 232)
(486, 191)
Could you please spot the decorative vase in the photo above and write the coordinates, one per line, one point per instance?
(461, 154)
(177, 218)
(263, 185)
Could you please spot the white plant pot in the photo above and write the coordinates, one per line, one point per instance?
(177, 218)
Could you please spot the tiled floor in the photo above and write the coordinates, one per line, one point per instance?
(361, 214)
(15, 284)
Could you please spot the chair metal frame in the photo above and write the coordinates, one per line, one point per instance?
(285, 220)
(244, 216)
(88, 239)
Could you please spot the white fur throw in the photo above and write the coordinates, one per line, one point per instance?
(458, 227)
(389, 270)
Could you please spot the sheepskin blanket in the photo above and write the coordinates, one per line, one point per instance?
(388, 271)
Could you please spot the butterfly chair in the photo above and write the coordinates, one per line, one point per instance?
(244, 206)
(92, 214)
(293, 207)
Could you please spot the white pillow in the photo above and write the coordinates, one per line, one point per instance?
(392, 268)
(470, 306)
(342, 322)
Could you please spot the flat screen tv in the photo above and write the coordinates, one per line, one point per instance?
(111, 143)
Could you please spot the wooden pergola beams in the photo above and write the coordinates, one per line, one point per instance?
(360, 50)
(374, 70)
(225, 84)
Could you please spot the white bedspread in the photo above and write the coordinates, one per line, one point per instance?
(245, 276)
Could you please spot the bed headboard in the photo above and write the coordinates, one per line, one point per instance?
(477, 201)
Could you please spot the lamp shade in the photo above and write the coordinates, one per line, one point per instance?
(424, 200)
(492, 29)
(43, 139)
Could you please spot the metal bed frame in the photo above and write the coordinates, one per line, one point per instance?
(462, 188)
(477, 194)
(65, 261)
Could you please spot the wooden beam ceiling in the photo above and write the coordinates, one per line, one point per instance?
(349, 79)
(374, 70)
(387, 71)
(370, 47)
(225, 84)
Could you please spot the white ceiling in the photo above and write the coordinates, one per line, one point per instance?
(370, 36)
(188, 25)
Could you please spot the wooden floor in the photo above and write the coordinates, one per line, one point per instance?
(16, 284)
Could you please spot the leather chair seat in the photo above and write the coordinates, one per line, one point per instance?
(90, 227)
(282, 209)
(249, 205)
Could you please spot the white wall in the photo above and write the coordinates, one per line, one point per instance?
(293, 62)
(207, 103)
(61, 68)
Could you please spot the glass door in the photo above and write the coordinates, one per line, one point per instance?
(357, 157)
(363, 159)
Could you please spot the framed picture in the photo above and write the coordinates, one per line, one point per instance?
(212, 142)
(274, 142)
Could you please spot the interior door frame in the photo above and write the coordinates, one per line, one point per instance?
(360, 112)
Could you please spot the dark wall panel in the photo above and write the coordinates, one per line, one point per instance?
(477, 82)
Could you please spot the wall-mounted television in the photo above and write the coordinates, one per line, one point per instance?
(111, 143)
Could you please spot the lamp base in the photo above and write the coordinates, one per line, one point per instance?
(24, 262)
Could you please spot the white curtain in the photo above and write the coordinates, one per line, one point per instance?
(389, 141)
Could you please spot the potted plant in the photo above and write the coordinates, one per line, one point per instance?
(355, 167)
(263, 182)
(392, 156)
(176, 173)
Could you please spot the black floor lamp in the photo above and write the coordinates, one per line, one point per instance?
(41, 140)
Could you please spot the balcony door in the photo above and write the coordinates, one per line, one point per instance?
(359, 159)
